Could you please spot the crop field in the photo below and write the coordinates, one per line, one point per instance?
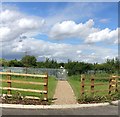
(51, 86)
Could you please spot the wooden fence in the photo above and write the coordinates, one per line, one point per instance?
(113, 84)
(9, 81)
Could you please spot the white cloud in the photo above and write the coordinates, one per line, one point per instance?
(103, 35)
(9, 15)
(86, 31)
(68, 29)
(105, 20)
(4, 31)
(14, 24)
(60, 52)
(25, 23)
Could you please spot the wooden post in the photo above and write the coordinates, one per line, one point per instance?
(110, 84)
(114, 83)
(46, 87)
(9, 83)
(82, 84)
(92, 84)
(116, 86)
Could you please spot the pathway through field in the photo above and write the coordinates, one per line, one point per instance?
(64, 94)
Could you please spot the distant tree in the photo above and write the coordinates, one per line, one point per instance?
(15, 63)
(29, 61)
(73, 67)
(4, 62)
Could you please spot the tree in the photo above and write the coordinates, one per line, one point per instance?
(3, 62)
(15, 63)
(29, 61)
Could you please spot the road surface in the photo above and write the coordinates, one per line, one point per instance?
(105, 110)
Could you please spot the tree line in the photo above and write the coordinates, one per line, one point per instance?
(73, 67)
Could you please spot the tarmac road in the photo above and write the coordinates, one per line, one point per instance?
(103, 110)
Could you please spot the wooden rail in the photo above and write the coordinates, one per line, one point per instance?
(9, 81)
(26, 90)
(112, 84)
(18, 74)
(23, 82)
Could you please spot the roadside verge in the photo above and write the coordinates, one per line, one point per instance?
(57, 106)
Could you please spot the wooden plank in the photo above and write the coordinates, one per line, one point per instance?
(99, 90)
(115, 76)
(101, 78)
(105, 90)
(18, 74)
(97, 84)
(23, 82)
(106, 78)
(26, 90)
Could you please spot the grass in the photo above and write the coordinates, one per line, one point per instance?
(51, 86)
(75, 84)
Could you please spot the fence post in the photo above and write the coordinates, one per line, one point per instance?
(110, 84)
(92, 84)
(9, 83)
(46, 87)
(116, 86)
(114, 83)
(82, 84)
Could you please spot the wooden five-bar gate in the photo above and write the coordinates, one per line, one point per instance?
(9, 81)
(113, 84)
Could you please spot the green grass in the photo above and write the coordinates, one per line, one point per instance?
(51, 86)
(75, 84)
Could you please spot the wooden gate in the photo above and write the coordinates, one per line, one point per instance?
(113, 84)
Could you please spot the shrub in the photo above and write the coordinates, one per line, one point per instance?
(98, 99)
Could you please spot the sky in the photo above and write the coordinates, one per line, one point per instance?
(78, 31)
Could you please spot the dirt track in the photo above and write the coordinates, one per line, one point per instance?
(64, 94)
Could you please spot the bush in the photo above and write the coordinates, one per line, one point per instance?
(98, 99)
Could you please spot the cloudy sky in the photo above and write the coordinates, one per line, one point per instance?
(77, 31)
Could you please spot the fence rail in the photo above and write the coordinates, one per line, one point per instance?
(112, 83)
(9, 81)
(23, 82)
(19, 74)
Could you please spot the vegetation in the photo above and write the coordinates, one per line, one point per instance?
(29, 61)
(74, 68)
(97, 97)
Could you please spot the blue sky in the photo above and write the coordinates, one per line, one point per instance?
(108, 10)
(84, 28)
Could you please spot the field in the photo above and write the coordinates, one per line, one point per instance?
(51, 86)
(76, 84)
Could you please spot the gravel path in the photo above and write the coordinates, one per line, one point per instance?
(64, 94)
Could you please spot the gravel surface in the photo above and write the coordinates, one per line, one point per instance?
(64, 94)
